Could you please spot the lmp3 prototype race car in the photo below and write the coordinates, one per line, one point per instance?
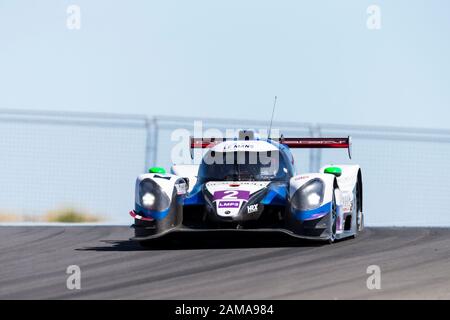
(250, 184)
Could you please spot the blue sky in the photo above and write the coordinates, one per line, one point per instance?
(229, 58)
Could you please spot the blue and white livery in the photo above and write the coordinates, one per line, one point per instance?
(250, 184)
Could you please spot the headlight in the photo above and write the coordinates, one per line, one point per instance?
(152, 197)
(148, 200)
(309, 196)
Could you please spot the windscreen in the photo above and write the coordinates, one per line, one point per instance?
(243, 166)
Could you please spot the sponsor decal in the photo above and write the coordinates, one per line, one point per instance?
(228, 204)
(347, 207)
(181, 188)
(252, 208)
(238, 146)
(231, 195)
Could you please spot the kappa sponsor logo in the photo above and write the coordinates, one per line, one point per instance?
(229, 204)
(252, 208)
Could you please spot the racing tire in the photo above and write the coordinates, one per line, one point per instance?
(359, 214)
(333, 221)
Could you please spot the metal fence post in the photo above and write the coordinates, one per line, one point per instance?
(318, 159)
(148, 142)
(314, 154)
(151, 142)
(154, 143)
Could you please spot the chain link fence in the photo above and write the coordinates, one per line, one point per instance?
(88, 162)
(60, 162)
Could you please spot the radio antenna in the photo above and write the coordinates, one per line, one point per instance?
(271, 118)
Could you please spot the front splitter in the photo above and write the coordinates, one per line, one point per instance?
(240, 231)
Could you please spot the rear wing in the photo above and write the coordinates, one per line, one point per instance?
(204, 142)
(344, 143)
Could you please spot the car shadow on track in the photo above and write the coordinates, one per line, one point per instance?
(204, 241)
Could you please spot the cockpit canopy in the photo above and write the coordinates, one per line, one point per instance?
(245, 166)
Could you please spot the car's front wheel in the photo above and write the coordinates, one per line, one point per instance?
(333, 221)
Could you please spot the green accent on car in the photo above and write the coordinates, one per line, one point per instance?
(156, 170)
(334, 170)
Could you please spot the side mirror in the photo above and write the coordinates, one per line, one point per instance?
(157, 170)
(336, 171)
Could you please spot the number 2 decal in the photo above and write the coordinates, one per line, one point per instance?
(230, 194)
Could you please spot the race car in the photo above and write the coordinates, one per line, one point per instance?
(249, 184)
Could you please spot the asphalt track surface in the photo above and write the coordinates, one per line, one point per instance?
(414, 262)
